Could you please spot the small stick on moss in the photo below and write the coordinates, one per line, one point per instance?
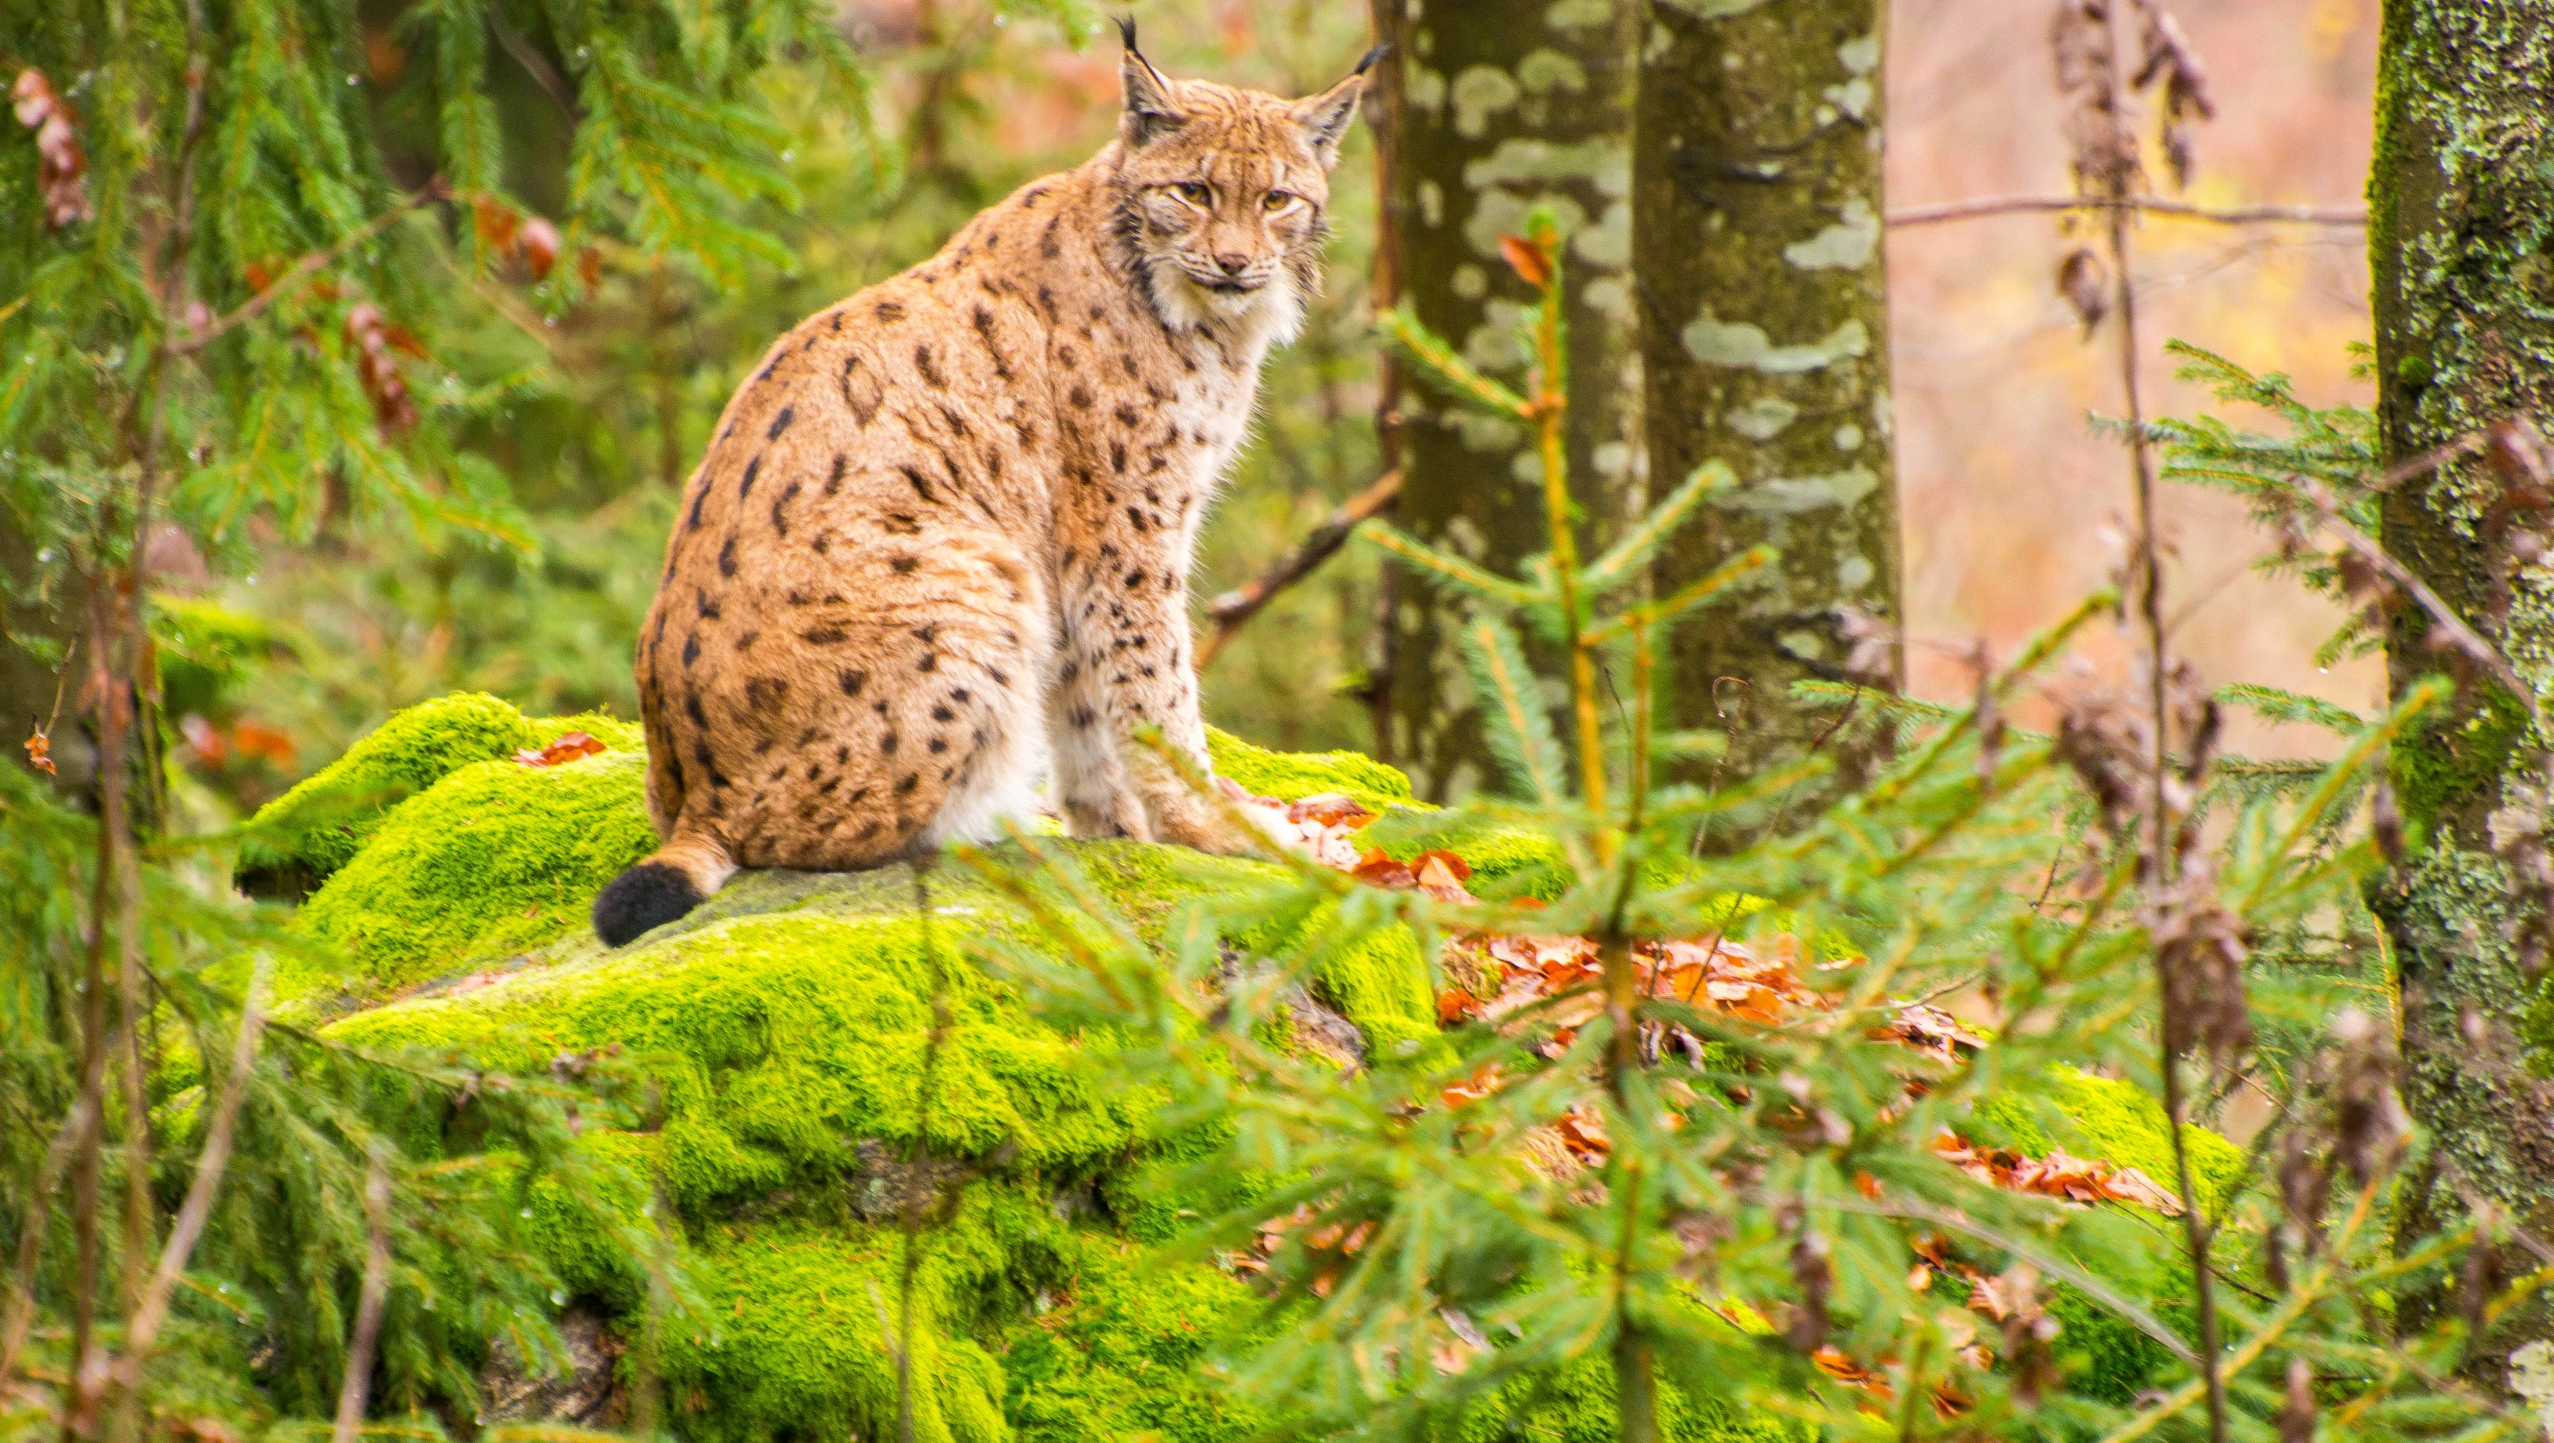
(916, 1155)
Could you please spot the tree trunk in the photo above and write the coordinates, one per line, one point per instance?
(1765, 344)
(1502, 108)
(2461, 224)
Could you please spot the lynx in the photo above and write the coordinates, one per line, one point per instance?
(939, 546)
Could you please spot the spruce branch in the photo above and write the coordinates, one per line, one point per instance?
(1698, 592)
(1513, 716)
(1450, 372)
(1482, 585)
(1624, 560)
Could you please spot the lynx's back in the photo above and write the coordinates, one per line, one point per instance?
(940, 543)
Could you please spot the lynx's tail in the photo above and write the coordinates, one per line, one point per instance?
(680, 876)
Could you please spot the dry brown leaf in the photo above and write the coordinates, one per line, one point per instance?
(566, 749)
(1330, 809)
(1528, 259)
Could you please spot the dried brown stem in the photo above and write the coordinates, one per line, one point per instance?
(2111, 184)
(1236, 607)
(1995, 205)
(152, 1310)
(79, 1416)
(1384, 102)
(57, 1156)
(2367, 548)
(357, 1387)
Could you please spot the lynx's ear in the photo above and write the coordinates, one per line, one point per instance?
(1148, 96)
(1325, 117)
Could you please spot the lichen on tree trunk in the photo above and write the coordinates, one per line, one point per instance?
(2461, 247)
(1503, 109)
(1764, 339)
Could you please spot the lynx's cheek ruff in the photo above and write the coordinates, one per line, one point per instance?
(939, 547)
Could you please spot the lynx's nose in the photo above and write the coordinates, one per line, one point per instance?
(1233, 262)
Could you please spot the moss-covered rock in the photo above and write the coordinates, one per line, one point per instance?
(1292, 776)
(785, 1044)
(800, 1333)
(491, 860)
(1118, 1352)
(309, 832)
(785, 1024)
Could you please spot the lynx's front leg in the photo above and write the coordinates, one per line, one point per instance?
(1125, 665)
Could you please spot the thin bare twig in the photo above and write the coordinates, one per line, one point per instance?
(192, 1215)
(57, 1156)
(357, 1387)
(310, 265)
(1994, 205)
(1236, 607)
(919, 1175)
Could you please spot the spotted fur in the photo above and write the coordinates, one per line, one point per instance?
(939, 546)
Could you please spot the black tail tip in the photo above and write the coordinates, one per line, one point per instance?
(648, 895)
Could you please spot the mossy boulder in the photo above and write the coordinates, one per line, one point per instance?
(784, 1027)
(1293, 776)
(301, 837)
(492, 860)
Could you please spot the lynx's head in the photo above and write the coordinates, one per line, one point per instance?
(1223, 195)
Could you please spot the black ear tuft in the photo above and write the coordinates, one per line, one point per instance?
(648, 895)
(1149, 111)
(1373, 56)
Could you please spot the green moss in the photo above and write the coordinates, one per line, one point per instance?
(2106, 1357)
(784, 1043)
(319, 826)
(783, 1025)
(584, 1231)
(799, 1332)
(1575, 1404)
(1377, 979)
(2446, 766)
(1506, 861)
(1120, 1354)
(490, 861)
(1291, 776)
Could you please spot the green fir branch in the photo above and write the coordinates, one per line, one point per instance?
(1514, 717)
(1438, 362)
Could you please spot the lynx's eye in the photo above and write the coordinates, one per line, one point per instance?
(1192, 192)
(1276, 200)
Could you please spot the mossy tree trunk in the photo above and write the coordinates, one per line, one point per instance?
(1501, 109)
(1764, 344)
(2461, 245)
